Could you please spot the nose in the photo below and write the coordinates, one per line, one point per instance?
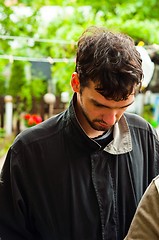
(110, 118)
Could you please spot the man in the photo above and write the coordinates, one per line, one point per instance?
(80, 175)
(146, 219)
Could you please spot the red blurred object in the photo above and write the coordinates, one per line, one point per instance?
(32, 119)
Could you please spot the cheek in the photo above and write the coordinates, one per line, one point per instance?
(93, 113)
(90, 109)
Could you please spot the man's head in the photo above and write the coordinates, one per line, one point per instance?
(107, 75)
(111, 61)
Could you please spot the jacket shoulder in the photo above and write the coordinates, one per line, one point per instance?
(137, 121)
(46, 131)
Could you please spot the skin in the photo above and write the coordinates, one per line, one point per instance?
(95, 113)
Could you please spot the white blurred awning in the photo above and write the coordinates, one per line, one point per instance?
(147, 65)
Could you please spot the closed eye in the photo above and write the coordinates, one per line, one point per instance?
(99, 105)
(96, 104)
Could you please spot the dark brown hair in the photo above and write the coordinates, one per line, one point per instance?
(110, 60)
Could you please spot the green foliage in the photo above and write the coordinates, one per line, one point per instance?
(3, 77)
(148, 114)
(2, 132)
(62, 81)
(2, 84)
(5, 143)
(22, 89)
(35, 88)
(17, 79)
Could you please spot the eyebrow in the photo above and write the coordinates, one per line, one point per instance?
(102, 105)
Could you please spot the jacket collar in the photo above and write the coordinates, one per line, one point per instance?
(121, 142)
(156, 181)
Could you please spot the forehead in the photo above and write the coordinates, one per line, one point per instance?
(92, 95)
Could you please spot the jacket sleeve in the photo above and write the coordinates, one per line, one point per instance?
(14, 217)
(146, 219)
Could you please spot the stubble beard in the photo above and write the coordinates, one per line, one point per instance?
(94, 123)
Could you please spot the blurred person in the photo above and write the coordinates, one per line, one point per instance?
(80, 174)
(146, 219)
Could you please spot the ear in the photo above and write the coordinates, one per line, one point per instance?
(75, 82)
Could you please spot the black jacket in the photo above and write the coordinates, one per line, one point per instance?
(58, 184)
